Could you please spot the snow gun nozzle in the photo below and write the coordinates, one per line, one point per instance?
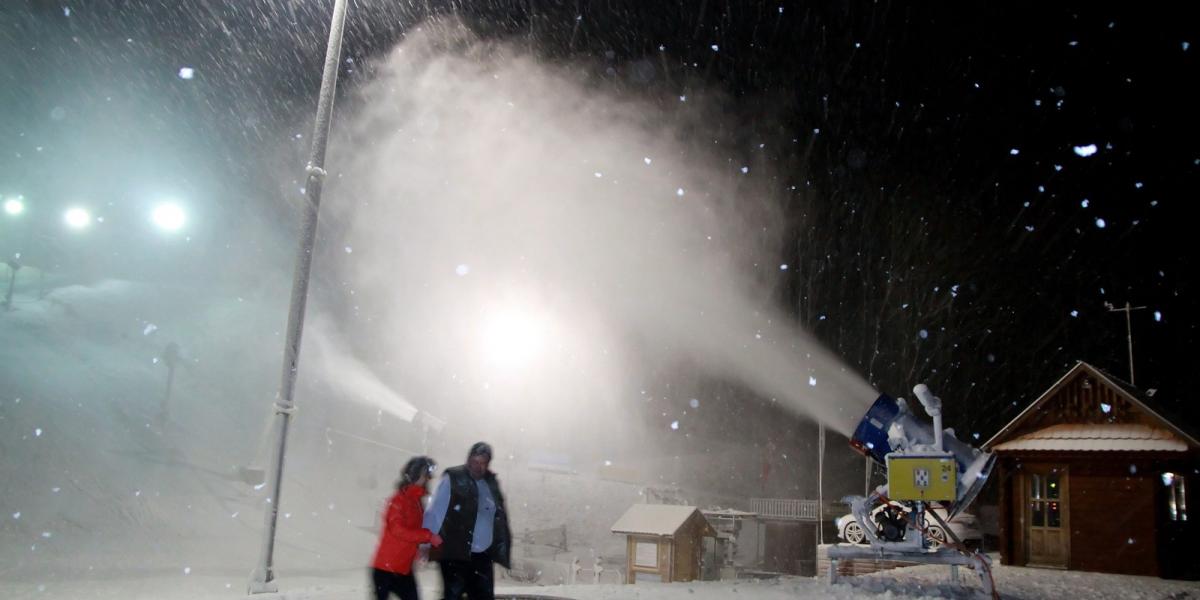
(871, 436)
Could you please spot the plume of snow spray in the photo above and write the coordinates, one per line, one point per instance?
(527, 248)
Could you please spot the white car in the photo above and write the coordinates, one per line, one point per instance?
(964, 525)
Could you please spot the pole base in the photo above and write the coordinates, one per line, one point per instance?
(259, 584)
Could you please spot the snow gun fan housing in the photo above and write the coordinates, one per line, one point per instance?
(923, 463)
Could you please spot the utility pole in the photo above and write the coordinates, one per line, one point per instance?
(262, 580)
(820, 483)
(1127, 309)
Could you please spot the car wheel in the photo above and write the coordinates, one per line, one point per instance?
(937, 537)
(854, 533)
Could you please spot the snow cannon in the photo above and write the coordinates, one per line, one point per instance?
(924, 463)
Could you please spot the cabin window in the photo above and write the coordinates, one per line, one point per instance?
(1176, 496)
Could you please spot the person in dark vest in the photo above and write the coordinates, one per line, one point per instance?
(468, 512)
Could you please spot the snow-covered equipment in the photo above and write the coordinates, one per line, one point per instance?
(926, 466)
(891, 435)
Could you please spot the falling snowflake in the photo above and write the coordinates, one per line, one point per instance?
(812, 381)
(186, 72)
(674, 424)
(1085, 151)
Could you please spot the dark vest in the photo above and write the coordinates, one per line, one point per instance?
(459, 525)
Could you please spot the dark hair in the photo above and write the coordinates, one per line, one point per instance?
(414, 469)
(480, 449)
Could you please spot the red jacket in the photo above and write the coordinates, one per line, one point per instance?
(402, 532)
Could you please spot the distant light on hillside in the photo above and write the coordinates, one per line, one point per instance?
(14, 206)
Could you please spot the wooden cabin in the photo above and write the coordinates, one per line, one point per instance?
(1093, 476)
(664, 542)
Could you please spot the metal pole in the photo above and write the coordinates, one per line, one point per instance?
(1128, 310)
(13, 265)
(820, 483)
(262, 580)
(867, 476)
(1129, 336)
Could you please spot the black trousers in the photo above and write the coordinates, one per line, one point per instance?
(474, 577)
(387, 583)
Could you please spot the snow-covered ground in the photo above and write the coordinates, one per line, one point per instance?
(913, 582)
(102, 500)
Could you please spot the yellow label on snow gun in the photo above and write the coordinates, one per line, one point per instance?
(922, 477)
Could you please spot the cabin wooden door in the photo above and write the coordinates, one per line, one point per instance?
(1047, 530)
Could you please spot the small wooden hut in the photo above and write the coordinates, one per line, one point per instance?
(665, 542)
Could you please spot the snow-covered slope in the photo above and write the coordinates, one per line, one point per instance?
(94, 481)
(96, 485)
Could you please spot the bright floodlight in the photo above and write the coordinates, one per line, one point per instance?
(168, 216)
(513, 338)
(77, 218)
(14, 206)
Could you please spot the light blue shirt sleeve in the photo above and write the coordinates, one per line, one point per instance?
(437, 509)
(485, 518)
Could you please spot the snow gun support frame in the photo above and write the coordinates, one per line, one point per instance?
(926, 467)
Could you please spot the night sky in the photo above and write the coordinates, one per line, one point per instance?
(943, 222)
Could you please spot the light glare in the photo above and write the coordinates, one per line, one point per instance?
(77, 218)
(14, 206)
(513, 338)
(168, 216)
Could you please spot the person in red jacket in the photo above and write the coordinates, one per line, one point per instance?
(392, 567)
